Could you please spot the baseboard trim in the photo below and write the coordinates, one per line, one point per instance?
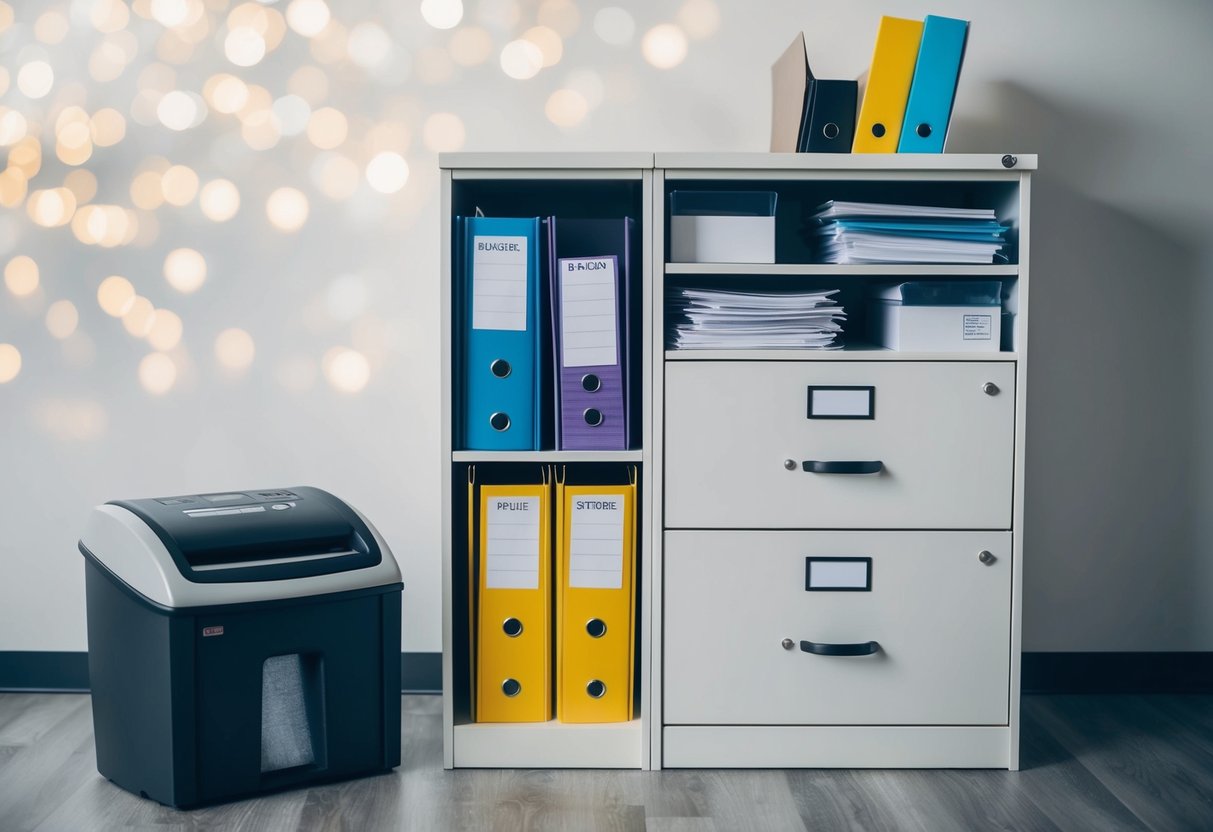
(1184, 672)
(1187, 672)
(27, 671)
(421, 672)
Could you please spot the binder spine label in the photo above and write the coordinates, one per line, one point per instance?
(589, 312)
(499, 283)
(596, 542)
(513, 543)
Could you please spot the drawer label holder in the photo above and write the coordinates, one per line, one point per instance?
(841, 402)
(837, 574)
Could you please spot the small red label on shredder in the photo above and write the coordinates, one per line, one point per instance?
(212, 631)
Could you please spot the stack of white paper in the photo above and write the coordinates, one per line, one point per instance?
(720, 319)
(869, 232)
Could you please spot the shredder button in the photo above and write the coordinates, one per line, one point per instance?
(279, 506)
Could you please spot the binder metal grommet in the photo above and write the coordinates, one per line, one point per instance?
(923, 130)
(593, 417)
(500, 421)
(878, 129)
(512, 627)
(500, 368)
(596, 627)
(511, 687)
(591, 383)
(830, 130)
(596, 689)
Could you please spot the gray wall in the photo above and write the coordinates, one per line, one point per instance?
(1112, 95)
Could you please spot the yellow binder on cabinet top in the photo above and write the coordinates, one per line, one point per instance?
(596, 601)
(513, 606)
(878, 127)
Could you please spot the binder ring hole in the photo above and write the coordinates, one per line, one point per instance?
(923, 130)
(878, 129)
(591, 383)
(500, 421)
(596, 689)
(501, 368)
(596, 627)
(593, 417)
(511, 687)
(512, 627)
(830, 130)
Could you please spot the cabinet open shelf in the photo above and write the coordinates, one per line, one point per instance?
(548, 745)
(547, 456)
(854, 352)
(567, 187)
(841, 270)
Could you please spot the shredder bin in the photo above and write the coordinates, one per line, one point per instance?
(239, 643)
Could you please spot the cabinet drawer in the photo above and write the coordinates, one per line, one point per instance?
(945, 446)
(940, 615)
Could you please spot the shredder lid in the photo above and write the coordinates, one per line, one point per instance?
(238, 546)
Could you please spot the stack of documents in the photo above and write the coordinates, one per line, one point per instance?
(708, 319)
(868, 232)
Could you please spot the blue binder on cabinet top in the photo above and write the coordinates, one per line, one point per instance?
(929, 106)
(501, 324)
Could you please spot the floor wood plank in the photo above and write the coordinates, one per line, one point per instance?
(1098, 763)
(24, 717)
(861, 801)
(1154, 764)
(752, 799)
(41, 776)
(1191, 710)
(1061, 786)
(656, 824)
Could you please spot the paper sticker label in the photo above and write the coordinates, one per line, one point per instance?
(596, 542)
(512, 543)
(588, 312)
(499, 283)
(978, 327)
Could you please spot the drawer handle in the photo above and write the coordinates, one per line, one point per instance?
(863, 648)
(817, 466)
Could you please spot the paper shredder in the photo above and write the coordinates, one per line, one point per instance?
(240, 642)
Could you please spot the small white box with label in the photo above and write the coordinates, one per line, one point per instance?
(960, 316)
(722, 226)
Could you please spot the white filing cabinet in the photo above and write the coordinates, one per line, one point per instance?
(839, 592)
(744, 658)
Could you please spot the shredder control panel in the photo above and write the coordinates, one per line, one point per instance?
(258, 535)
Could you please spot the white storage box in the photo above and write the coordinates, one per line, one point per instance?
(925, 316)
(722, 226)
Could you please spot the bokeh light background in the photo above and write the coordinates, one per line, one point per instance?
(219, 232)
(219, 243)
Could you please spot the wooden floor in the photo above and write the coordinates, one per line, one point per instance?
(1090, 762)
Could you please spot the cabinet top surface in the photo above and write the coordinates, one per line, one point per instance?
(546, 161)
(740, 161)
